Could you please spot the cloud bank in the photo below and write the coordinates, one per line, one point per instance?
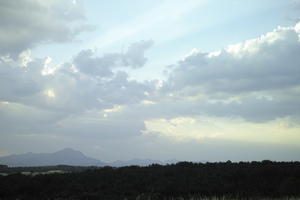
(208, 99)
(257, 79)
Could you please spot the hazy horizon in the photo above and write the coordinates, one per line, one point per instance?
(133, 161)
(171, 79)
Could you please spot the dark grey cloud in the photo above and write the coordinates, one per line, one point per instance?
(19, 82)
(25, 24)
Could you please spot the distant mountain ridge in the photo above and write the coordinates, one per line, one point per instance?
(66, 156)
(69, 156)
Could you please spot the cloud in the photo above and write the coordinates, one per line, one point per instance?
(29, 23)
(208, 99)
(258, 79)
(265, 63)
(203, 128)
(89, 82)
(17, 120)
(100, 126)
(135, 54)
(87, 62)
(19, 82)
(71, 99)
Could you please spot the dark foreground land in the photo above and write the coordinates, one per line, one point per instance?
(184, 180)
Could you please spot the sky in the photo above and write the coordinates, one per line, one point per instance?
(189, 80)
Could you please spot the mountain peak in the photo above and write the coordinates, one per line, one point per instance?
(66, 156)
(68, 150)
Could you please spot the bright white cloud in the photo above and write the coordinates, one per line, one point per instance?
(256, 79)
(115, 108)
(24, 58)
(50, 93)
(268, 62)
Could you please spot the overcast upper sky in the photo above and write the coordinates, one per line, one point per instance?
(163, 79)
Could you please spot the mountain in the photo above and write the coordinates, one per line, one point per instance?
(66, 156)
(72, 157)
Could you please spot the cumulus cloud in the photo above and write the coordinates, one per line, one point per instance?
(61, 87)
(268, 62)
(87, 62)
(28, 23)
(244, 85)
(258, 79)
(134, 56)
(86, 95)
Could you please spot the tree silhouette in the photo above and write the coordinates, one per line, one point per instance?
(183, 180)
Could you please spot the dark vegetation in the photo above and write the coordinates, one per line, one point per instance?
(184, 180)
(66, 168)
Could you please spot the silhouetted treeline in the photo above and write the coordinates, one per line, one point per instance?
(243, 180)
